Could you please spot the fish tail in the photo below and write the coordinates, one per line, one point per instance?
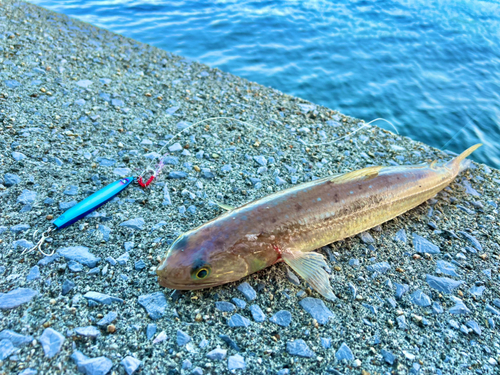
(460, 163)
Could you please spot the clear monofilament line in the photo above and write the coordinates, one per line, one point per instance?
(457, 133)
(250, 125)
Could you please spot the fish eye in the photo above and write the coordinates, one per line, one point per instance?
(202, 272)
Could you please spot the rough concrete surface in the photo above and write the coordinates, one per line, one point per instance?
(80, 107)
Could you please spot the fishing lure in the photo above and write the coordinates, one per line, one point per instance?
(85, 207)
(288, 225)
(93, 202)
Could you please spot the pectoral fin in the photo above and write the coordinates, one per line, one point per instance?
(310, 267)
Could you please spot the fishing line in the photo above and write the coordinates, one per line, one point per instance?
(156, 171)
(458, 132)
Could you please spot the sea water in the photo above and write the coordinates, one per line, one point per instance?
(430, 67)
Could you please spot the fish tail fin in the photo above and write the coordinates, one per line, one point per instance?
(460, 162)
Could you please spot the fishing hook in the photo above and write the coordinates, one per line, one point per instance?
(39, 244)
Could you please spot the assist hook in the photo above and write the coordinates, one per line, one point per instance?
(39, 244)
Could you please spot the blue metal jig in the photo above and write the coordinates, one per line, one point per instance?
(92, 203)
(84, 208)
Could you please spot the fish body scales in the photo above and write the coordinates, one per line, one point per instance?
(353, 207)
(326, 211)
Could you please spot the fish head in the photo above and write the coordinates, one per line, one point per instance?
(199, 259)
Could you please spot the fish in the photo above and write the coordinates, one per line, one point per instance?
(288, 225)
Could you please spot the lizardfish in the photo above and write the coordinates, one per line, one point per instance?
(288, 225)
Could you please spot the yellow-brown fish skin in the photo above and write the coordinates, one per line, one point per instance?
(300, 219)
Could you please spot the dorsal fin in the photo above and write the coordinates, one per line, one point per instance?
(362, 174)
(224, 206)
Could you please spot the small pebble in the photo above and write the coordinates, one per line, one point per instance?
(182, 338)
(130, 364)
(34, 274)
(344, 352)
(154, 303)
(257, 313)
(235, 362)
(247, 291)
(238, 321)
(16, 297)
(217, 354)
(282, 318)
(317, 309)
(443, 284)
(299, 348)
(225, 306)
(51, 341)
(89, 331)
(109, 318)
(239, 303)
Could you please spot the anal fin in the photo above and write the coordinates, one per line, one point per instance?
(310, 267)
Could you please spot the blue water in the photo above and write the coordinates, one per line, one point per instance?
(432, 68)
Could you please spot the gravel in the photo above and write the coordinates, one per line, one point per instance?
(282, 318)
(238, 321)
(299, 348)
(182, 338)
(80, 107)
(79, 254)
(257, 313)
(317, 309)
(154, 303)
(247, 291)
(130, 364)
(52, 342)
(16, 298)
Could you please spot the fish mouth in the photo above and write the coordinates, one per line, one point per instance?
(173, 285)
